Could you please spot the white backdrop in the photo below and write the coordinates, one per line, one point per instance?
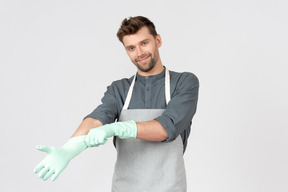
(58, 57)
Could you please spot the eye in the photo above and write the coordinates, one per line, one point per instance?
(144, 43)
(130, 48)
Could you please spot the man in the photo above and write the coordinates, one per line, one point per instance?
(153, 110)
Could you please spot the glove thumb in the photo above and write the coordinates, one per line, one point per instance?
(44, 148)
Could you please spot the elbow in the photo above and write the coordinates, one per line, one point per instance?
(164, 136)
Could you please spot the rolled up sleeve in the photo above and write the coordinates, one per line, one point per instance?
(107, 111)
(177, 117)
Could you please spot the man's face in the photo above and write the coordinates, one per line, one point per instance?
(142, 48)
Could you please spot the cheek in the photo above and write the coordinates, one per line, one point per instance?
(131, 56)
(153, 48)
(153, 51)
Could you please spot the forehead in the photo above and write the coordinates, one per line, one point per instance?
(134, 39)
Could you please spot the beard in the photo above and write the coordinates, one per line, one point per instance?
(150, 65)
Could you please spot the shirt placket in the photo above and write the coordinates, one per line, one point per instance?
(148, 92)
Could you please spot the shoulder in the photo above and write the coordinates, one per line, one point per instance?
(184, 78)
(123, 81)
(121, 84)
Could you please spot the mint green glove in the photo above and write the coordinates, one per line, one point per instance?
(58, 158)
(123, 130)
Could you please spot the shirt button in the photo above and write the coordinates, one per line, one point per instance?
(146, 77)
(148, 89)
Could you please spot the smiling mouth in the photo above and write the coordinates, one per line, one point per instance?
(143, 59)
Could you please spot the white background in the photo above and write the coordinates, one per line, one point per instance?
(58, 57)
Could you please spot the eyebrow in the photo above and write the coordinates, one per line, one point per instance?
(129, 46)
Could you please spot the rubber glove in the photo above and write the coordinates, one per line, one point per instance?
(123, 130)
(58, 158)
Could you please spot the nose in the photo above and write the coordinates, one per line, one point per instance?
(139, 51)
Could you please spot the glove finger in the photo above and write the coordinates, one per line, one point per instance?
(85, 138)
(93, 141)
(49, 174)
(56, 175)
(102, 141)
(94, 145)
(38, 167)
(43, 172)
(87, 141)
(44, 148)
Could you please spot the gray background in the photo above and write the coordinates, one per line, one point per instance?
(58, 57)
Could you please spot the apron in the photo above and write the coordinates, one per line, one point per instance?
(148, 166)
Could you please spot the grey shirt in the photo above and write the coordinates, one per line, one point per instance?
(149, 93)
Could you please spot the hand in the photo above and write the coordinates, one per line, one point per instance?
(58, 158)
(55, 162)
(98, 136)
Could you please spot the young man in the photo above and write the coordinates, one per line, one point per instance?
(153, 110)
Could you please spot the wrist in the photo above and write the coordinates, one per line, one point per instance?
(75, 145)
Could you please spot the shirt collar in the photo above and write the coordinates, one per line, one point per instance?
(154, 77)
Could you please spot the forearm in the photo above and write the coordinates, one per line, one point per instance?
(151, 130)
(86, 125)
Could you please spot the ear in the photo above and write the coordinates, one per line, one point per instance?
(158, 41)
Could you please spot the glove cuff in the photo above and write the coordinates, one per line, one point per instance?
(76, 145)
(126, 129)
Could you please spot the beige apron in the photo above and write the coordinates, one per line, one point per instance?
(148, 166)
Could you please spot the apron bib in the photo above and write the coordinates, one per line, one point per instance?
(148, 166)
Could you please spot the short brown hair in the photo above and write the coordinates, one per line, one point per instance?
(131, 25)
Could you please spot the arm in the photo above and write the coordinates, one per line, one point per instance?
(151, 130)
(177, 117)
(86, 125)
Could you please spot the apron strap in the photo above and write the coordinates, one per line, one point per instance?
(167, 90)
(129, 95)
(167, 86)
